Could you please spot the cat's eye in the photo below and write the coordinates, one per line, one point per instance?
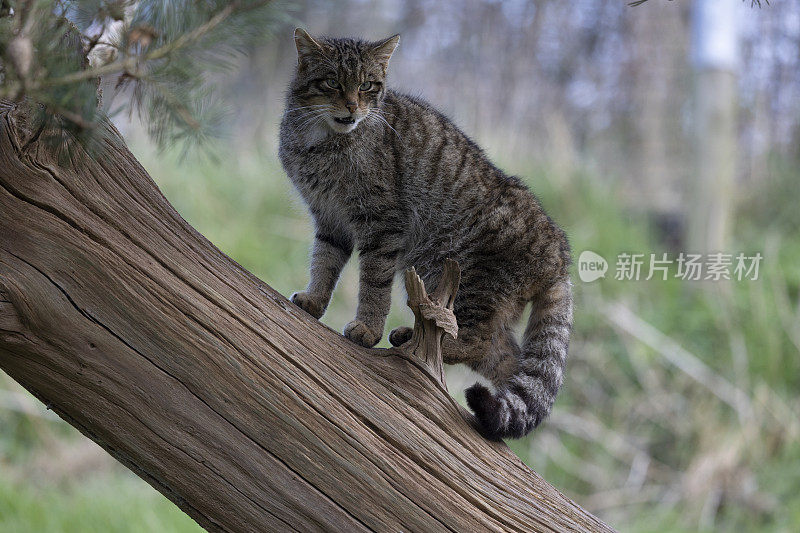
(366, 86)
(332, 83)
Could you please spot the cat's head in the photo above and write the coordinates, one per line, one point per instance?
(339, 82)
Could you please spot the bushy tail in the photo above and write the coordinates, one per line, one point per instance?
(526, 398)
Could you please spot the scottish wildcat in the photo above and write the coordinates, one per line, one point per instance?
(387, 174)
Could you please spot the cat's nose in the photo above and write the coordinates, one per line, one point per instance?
(351, 106)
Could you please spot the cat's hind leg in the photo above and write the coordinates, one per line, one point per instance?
(501, 359)
(492, 356)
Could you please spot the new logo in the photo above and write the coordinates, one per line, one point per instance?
(591, 266)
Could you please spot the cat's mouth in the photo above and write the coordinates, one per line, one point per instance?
(343, 124)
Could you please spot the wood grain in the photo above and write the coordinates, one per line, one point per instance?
(246, 412)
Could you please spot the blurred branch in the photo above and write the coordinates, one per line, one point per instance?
(618, 446)
(573, 464)
(625, 319)
(73, 117)
(624, 497)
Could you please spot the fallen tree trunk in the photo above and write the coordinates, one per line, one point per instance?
(235, 404)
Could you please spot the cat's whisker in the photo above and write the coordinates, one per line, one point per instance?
(306, 106)
(314, 106)
(302, 122)
(381, 119)
(383, 112)
(304, 114)
(310, 113)
(310, 122)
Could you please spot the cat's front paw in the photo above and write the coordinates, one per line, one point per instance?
(358, 332)
(309, 303)
(400, 336)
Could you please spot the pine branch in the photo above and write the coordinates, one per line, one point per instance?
(128, 64)
(176, 104)
(162, 53)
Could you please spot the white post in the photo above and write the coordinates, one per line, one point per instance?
(715, 56)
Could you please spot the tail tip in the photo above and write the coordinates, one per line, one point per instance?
(487, 409)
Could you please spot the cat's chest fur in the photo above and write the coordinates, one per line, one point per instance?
(338, 178)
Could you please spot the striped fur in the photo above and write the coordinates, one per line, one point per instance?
(405, 187)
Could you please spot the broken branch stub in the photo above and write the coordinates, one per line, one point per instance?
(433, 316)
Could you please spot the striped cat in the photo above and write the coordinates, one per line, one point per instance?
(388, 174)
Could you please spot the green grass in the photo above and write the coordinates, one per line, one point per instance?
(114, 502)
(623, 406)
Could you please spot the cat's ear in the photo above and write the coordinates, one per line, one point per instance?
(383, 50)
(306, 45)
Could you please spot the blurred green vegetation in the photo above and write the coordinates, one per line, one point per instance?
(114, 502)
(640, 441)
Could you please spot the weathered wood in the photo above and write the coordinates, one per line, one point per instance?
(433, 317)
(235, 404)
